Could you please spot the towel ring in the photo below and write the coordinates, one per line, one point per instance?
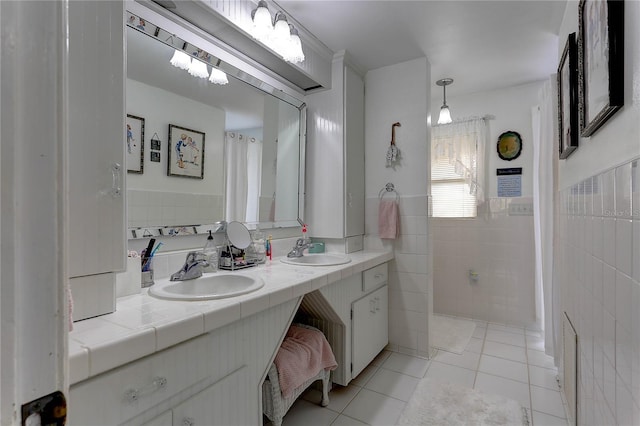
(389, 187)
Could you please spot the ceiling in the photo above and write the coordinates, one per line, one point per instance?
(482, 45)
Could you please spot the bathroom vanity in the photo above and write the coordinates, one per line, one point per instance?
(176, 363)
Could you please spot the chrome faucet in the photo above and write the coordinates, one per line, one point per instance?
(301, 245)
(192, 268)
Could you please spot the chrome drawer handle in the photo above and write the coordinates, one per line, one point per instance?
(378, 275)
(132, 395)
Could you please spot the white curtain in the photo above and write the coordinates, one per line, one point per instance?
(545, 154)
(462, 144)
(243, 158)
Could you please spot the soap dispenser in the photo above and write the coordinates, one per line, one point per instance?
(211, 254)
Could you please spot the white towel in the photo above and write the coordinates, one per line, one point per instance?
(388, 219)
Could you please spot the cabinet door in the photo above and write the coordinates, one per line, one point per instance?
(354, 153)
(96, 217)
(220, 404)
(370, 328)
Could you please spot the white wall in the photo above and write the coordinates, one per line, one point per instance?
(510, 109)
(160, 108)
(401, 93)
(495, 245)
(598, 247)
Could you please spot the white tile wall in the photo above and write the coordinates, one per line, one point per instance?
(498, 247)
(410, 274)
(159, 208)
(597, 267)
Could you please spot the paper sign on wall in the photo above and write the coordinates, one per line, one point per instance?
(509, 182)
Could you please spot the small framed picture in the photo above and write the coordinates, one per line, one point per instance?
(186, 153)
(601, 62)
(155, 156)
(568, 98)
(134, 140)
(155, 144)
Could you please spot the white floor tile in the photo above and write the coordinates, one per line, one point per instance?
(505, 387)
(505, 337)
(306, 413)
(451, 374)
(543, 419)
(540, 359)
(339, 397)
(393, 384)
(479, 332)
(500, 327)
(406, 364)
(343, 420)
(547, 401)
(543, 377)
(500, 350)
(374, 408)
(474, 345)
(365, 375)
(381, 358)
(513, 370)
(466, 360)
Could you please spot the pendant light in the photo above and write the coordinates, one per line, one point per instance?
(198, 69)
(445, 114)
(218, 76)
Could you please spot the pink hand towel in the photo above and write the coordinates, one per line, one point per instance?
(303, 353)
(388, 223)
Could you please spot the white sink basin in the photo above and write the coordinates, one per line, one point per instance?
(318, 259)
(210, 286)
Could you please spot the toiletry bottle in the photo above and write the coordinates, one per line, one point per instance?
(211, 254)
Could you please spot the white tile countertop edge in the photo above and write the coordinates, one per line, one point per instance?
(143, 324)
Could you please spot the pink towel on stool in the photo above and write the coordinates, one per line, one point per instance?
(388, 225)
(301, 356)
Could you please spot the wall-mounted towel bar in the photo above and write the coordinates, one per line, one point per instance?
(388, 188)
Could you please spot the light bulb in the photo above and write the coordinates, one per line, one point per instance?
(180, 60)
(198, 69)
(218, 77)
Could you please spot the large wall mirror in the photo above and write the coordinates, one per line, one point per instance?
(210, 151)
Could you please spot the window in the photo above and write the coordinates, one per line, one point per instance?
(457, 168)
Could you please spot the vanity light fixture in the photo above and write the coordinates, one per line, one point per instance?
(445, 114)
(198, 69)
(181, 60)
(277, 34)
(218, 76)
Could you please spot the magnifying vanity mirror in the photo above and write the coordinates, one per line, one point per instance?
(209, 152)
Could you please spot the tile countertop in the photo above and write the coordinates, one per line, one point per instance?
(143, 324)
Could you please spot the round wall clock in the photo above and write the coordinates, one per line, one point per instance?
(509, 145)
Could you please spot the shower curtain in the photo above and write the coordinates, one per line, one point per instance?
(243, 159)
(544, 177)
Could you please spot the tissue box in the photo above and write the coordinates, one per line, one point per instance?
(128, 282)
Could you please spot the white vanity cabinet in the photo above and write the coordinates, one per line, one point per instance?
(353, 315)
(334, 202)
(95, 163)
(370, 328)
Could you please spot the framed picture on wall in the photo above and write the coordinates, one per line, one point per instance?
(186, 152)
(134, 141)
(601, 62)
(568, 98)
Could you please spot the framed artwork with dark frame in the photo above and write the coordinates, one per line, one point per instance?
(134, 140)
(601, 62)
(186, 152)
(568, 98)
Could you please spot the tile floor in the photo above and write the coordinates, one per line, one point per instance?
(502, 360)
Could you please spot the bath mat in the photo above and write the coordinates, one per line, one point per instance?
(451, 334)
(440, 403)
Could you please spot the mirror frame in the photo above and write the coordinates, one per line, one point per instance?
(172, 30)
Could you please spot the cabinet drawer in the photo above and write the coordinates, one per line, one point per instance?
(375, 277)
(121, 394)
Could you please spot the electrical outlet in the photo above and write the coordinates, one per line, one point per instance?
(521, 209)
